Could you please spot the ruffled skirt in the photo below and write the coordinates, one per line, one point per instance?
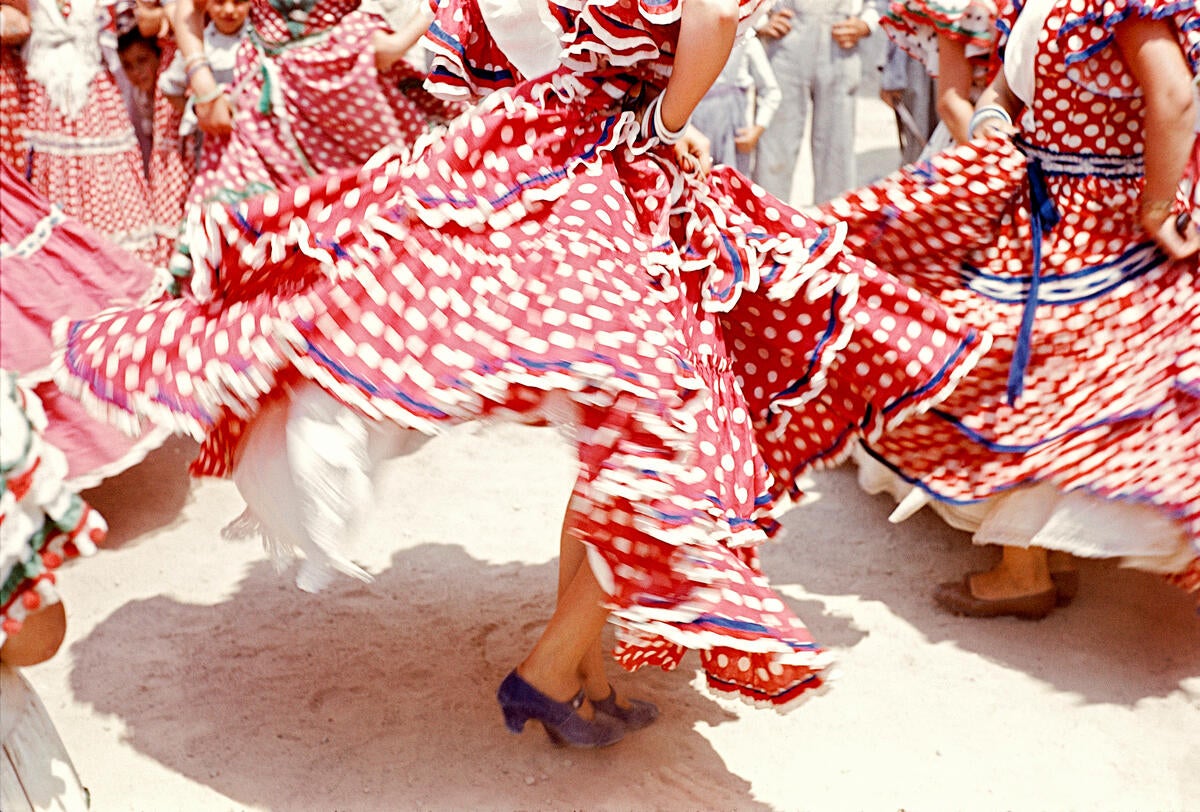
(713, 345)
(1108, 403)
(54, 267)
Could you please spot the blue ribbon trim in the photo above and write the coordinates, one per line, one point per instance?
(1044, 216)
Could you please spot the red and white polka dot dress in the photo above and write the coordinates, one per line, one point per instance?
(86, 158)
(1108, 402)
(309, 100)
(14, 101)
(716, 344)
(172, 166)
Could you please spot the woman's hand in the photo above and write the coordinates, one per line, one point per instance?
(215, 117)
(1177, 236)
(694, 152)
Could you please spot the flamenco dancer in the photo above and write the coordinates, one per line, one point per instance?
(1080, 433)
(558, 252)
(316, 88)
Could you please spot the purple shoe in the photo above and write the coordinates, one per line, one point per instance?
(521, 702)
(638, 715)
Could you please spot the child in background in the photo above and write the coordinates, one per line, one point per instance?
(225, 30)
(140, 56)
(740, 104)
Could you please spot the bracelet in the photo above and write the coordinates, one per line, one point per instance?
(990, 111)
(193, 69)
(653, 127)
(210, 96)
(194, 58)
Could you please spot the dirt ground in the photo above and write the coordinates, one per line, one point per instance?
(197, 678)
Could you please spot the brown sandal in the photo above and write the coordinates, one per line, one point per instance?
(956, 597)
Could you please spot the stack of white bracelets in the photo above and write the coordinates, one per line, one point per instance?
(987, 113)
(653, 127)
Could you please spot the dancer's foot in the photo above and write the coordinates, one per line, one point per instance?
(634, 714)
(1065, 575)
(564, 721)
(984, 595)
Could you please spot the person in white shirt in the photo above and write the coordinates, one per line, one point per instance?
(814, 50)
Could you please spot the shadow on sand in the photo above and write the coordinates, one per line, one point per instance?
(148, 496)
(1128, 636)
(381, 697)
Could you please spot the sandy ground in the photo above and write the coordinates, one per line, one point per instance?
(195, 677)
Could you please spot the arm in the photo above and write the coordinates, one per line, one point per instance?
(954, 88)
(767, 97)
(997, 94)
(1156, 61)
(214, 117)
(706, 33)
(390, 47)
(767, 93)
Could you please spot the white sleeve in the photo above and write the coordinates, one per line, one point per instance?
(767, 95)
(524, 31)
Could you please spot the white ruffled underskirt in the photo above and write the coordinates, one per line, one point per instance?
(1041, 515)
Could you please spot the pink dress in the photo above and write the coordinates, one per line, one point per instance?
(713, 342)
(84, 154)
(55, 267)
(1093, 388)
(14, 101)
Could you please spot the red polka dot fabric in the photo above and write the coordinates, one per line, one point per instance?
(90, 164)
(309, 100)
(1109, 402)
(14, 101)
(716, 343)
(172, 167)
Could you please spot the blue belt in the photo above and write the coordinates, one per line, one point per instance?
(1044, 216)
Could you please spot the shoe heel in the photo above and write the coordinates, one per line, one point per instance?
(514, 719)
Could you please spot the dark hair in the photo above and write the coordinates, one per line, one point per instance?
(133, 36)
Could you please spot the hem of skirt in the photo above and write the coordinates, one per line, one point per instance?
(928, 493)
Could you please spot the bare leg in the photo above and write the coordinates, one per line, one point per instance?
(1059, 561)
(571, 556)
(1021, 571)
(553, 667)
